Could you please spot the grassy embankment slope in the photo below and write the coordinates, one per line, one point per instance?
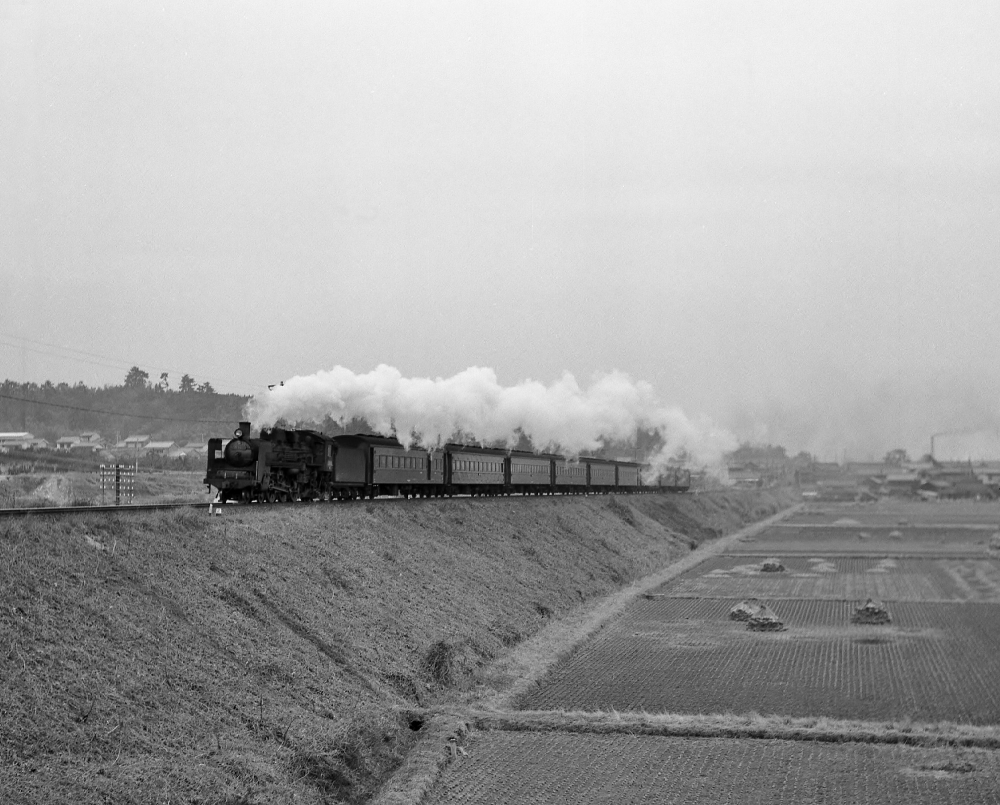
(270, 655)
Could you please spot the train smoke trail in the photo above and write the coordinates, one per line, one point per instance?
(562, 415)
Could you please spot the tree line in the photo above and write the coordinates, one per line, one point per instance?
(191, 411)
(138, 379)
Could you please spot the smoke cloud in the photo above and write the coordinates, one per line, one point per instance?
(562, 415)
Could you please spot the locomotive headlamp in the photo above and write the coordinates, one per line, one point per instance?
(238, 433)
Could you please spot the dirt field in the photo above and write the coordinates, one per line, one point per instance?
(84, 488)
(551, 767)
(271, 655)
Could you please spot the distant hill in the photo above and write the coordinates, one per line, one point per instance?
(50, 410)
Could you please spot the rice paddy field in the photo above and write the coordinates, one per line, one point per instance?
(844, 578)
(555, 768)
(891, 540)
(934, 662)
(900, 513)
(675, 652)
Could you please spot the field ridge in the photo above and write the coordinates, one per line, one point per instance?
(749, 725)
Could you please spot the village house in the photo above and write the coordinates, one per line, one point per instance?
(87, 447)
(136, 442)
(902, 484)
(988, 472)
(20, 440)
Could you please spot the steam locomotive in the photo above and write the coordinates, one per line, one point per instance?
(291, 465)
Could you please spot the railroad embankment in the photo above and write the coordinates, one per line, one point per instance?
(271, 654)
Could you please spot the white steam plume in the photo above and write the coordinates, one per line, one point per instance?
(561, 415)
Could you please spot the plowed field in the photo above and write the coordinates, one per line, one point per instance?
(843, 578)
(505, 768)
(934, 662)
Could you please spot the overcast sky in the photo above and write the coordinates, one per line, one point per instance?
(782, 215)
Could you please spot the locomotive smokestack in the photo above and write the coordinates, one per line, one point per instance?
(245, 428)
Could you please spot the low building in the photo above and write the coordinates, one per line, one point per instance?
(969, 487)
(138, 441)
(90, 437)
(988, 472)
(87, 447)
(160, 448)
(18, 440)
(901, 484)
(67, 442)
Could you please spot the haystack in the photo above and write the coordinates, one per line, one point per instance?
(744, 610)
(772, 566)
(873, 612)
(764, 620)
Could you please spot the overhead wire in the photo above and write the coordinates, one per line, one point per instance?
(18, 341)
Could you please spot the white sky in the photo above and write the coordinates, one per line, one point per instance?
(782, 215)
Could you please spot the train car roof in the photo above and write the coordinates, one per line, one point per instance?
(530, 454)
(274, 431)
(470, 448)
(592, 460)
(356, 439)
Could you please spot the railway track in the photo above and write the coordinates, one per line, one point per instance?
(58, 511)
(66, 510)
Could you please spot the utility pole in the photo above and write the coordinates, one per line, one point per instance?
(24, 380)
